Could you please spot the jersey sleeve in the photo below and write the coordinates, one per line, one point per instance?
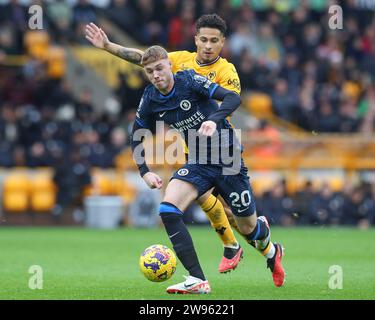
(175, 58)
(143, 117)
(201, 84)
(230, 80)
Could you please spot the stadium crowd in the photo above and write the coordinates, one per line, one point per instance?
(320, 79)
(354, 205)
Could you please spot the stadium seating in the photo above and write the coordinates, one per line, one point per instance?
(259, 105)
(16, 192)
(109, 182)
(42, 192)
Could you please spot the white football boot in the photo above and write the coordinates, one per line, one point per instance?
(191, 285)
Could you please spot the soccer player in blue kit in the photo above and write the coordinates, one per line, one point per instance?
(186, 102)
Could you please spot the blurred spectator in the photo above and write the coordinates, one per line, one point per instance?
(243, 39)
(84, 12)
(119, 142)
(123, 14)
(130, 92)
(269, 47)
(84, 108)
(291, 73)
(181, 30)
(322, 210)
(37, 156)
(356, 211)
(6, 158)
(276, 205)
(329, 121)
(246, 71)
(71, 176)
(14, 14)
(151, 30)
(60, 13)
(283, 101)
(349, 121)
(302, 203)
(305, 114)
(7, 41)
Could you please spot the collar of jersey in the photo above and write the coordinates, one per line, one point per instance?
(208, 63)
(169, 95)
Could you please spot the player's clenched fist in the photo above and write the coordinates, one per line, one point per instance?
(207, 128)
(153, 180)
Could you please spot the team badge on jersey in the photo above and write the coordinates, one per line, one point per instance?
(185, 105)
(211, 75)
(183, 172)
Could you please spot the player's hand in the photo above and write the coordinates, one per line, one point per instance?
(96, 36)
(153, 180)
(207, 128)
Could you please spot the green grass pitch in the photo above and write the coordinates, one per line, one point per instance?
(80, 263)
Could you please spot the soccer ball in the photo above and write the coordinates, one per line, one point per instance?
(158, 263)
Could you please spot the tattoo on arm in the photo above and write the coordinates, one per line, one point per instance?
(128, 55)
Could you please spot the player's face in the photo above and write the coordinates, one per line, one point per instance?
(209, 43)
(160, 75)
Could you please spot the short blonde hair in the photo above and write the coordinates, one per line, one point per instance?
(153, 54)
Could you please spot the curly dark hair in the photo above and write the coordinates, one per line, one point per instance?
(211, 21)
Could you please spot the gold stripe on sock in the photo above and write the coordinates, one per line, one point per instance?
(267, 249)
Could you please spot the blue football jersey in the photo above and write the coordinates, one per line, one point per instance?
(184, 109)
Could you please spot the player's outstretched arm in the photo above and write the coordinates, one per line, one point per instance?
(151, 178)
(99, 39)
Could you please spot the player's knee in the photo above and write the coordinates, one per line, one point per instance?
(204, 197)
(201, 200)
(228, 211)
(247, 225)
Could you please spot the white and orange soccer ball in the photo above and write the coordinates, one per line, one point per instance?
(158, 263)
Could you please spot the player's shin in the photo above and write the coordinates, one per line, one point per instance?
(234, 225)
(181, 239)
(260, 238)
